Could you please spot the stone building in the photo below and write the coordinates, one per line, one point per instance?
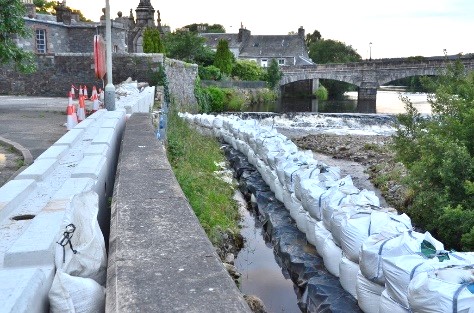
(64, 33)
(287, 50)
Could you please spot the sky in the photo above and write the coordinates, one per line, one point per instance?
(400, 28)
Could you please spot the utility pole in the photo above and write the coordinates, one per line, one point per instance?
(109, 92)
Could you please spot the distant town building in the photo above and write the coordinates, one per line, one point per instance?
(64, 33)
(287, 50)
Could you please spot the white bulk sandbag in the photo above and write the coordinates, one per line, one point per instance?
(310, 229)
(386, 244)
(70, 294)
(308, 172)
(278, 189)
(400, 270)
(301, 219)
(348, 275)
(252, 158)
(363, 224)
(333, 201)
(218, 122)
(388, 305)
(312, 196)
(443, 290)
(321, 234)
(291, 172)
(368, 294)
(332, 255)
(330, 174)
(339, 219)
(81, 230)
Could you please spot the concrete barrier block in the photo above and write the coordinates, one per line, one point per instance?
(35, 247)
(90, 167)
(98, 149)
(97, 115)
(54, 152)
(25, 290)
(12, 193)
(70, 138)
(105, 136)
(38, 170)
(73, 186)
(85, 123)
(110, 123)
(118, 114)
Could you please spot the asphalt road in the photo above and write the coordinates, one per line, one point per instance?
(33, 122)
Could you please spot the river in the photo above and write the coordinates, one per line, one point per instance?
(388, 102)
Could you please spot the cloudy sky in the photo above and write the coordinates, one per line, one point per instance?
(400, 28)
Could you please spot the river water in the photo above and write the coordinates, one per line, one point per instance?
(388, 102)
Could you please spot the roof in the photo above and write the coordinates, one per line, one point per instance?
(274, 46)
(212, 39)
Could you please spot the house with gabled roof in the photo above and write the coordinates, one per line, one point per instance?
(287, 50)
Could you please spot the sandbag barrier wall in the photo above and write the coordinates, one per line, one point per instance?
(137, 102)
(33, 206)
(377, 256)
(160, 259)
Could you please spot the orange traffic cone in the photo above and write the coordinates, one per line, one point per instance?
(85, 92)
(81, 112)
(95, 98)
(71, 120)
(73, 93)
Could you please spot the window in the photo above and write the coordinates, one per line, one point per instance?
(115, 49)
(281, 61)
(41, 40)
(264, 63)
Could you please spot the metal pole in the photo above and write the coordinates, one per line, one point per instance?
(109, 92)
(370, 51)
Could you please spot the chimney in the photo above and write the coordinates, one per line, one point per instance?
(301, 32)
(244, 35)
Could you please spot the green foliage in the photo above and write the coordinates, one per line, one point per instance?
(152, 41)
(234, 101)
(45, 7)
(224, 58)
(193, 158)
(332, 51)
(188, 47)
(248, 70)
(217, 98)
(439, 154)
(214, 28)
(202, 97)
(159, 78)
(11, 25)
(209, 72)
(312, 38)
(321, 93)
(273, 75)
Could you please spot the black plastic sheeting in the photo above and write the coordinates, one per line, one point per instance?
(317, 290)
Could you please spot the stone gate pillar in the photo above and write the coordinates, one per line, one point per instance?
(314, 85)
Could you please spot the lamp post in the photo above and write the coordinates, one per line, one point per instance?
(370, 51)
(109, 92)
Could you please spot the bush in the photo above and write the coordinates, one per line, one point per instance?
(439, 155)
(209, 72)
(321, 93)
(234, 100)
(248, 70)
(217, 98)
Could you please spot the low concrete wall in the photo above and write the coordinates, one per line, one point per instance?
(33, 205)
(160, 259)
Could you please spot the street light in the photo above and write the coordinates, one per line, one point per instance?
(370, 51)
(109, 92)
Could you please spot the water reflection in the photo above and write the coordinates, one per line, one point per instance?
(388, 102)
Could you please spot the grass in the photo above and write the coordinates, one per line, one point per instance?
(193, 158)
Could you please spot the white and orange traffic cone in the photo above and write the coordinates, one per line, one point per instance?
(95, 99)
(71, 120)
(94, 92)
(81, 112)
(85, 92)
(73, 92)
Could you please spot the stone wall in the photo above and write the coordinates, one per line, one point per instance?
(57, 72)
(181, 80)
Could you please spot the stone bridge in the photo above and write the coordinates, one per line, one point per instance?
(369, 75)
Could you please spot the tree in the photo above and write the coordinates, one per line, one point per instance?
(152, 41)
(45, 7)
(248, 70)
(12, 25)
(439, 155)
(312, 38)
(224, 58)
(332, 51)
(205, 28)
(189, 47)
(273, 74)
